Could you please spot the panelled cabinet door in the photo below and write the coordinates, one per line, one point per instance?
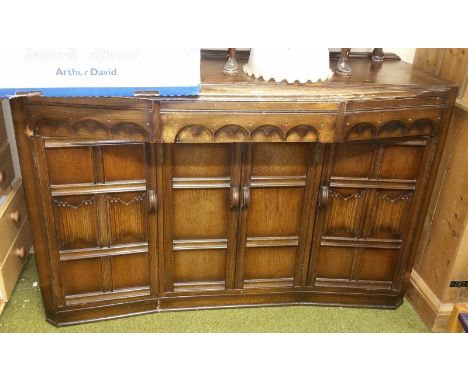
(98, 212)
(367, 200)
(200, 215)
(274, 209)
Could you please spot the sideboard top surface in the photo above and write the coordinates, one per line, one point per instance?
(367, 77)
(388, 80)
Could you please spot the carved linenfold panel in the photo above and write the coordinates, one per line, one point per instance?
(237, 133)
(127, 217)
(343, 212)
(389, 217)
(76, 221)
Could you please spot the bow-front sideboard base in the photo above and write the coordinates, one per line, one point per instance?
(252, 194)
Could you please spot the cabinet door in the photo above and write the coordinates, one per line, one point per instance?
(99, 210)
(200, 215)
(276, 179)
(368, 199)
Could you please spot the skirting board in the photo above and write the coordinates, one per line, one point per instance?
(432, 311)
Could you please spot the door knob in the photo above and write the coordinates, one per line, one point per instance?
(16, 216)
(2, 176)
(20, 252)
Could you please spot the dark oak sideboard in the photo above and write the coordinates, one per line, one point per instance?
(253, 193)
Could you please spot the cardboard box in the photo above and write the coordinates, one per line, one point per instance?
(107, 72)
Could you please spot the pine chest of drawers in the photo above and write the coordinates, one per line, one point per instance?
(253, 193)
(15, 232)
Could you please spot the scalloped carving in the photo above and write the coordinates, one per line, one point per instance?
(231, 132)
(89, 128)
(194, 133)
(361, 131)
(393, 128)
(125, 129)
(423, 126)
(237, 133)
(51, 127)
(268, 132)
(303, 133)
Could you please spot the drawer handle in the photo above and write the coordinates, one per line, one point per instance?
(324, 196)
(234, 197)
(245, 197)
(152, 201)
(20, 252)
(2, 176)
(16, 216)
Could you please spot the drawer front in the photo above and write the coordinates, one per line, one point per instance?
(392, 123)
(12, 218)
(3, 133)
(232, 126)
(13, 264)
(7, 172)
(95, 122)
(247, 121)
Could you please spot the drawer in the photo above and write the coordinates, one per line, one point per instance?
(3, 133)
(7, 172)
(392, 123)
(114, 121)
(13, 213)
(226, 127)
(12, 265)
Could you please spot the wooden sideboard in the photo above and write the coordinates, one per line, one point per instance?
(253, 193)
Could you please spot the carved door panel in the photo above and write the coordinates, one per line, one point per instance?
(367, 200)
(200, 214)
(99, 203)
(276, 177)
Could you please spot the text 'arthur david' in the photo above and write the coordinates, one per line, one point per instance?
(87, 72)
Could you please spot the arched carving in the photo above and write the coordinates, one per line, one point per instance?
(424, 126)
(267, 131)
(393, 128)
(194, 133)
(89, 128)
(361, 131)
(52, 127)
(126, 129)
(232, 133)
(303, 133)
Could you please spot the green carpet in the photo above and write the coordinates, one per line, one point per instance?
(24, 313)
